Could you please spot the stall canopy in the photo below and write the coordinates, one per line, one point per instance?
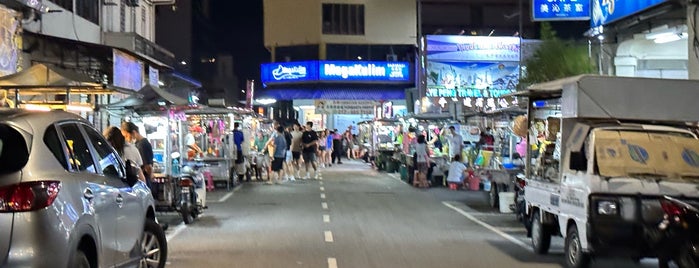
(49, 78)
(151, 96)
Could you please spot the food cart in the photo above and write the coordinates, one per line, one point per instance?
(379, 138)
(497, 165)
(431, 125)
(211, 129)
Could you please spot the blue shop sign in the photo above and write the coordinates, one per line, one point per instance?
(299, 71)
(608, 11)
(374, 71)
(543, 10)
(335, 71)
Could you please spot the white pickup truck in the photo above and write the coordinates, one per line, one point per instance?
(604, 152)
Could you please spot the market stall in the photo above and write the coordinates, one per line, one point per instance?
(433, 126)
(380, 138)
(210, 129)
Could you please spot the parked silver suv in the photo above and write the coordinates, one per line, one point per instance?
(67, 200)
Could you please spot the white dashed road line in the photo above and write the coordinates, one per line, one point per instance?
(225, 197)
(326, 218)
(322, 196)
(324, 205)
(178, 229)
(489, 227)
(329, 237)
(332, 263)
(322, 188)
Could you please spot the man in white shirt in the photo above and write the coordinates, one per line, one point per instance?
(456, 142)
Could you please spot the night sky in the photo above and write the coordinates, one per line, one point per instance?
(241, 33)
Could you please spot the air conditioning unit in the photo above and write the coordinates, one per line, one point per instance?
(132, 3)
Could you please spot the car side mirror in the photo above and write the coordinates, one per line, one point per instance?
(131, 173)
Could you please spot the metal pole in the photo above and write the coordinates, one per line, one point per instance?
(521, 36)
(420, 54)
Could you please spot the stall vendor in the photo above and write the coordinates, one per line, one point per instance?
(189, 140)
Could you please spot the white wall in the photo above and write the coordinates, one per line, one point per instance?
(631, 51)
(144, 25)
(65, 25)
(299, 22)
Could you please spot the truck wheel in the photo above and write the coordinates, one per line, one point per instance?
(575, 257)
(541, 235)
(494, 195)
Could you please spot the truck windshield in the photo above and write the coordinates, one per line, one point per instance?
(13, 150)
(622, 153)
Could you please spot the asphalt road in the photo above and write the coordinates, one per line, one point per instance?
(354, 217)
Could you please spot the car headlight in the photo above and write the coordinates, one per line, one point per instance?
(607, 207)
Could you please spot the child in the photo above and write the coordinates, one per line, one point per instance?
(457, 172)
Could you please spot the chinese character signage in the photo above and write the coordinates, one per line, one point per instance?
(561, 10)
(608, 11)
(336, 71)
(472, 48)
(365, 107)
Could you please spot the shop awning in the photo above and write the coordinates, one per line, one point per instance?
(41, 75)
(151, 96)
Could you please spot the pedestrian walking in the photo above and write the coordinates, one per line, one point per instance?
(278, 144)
(289, 160)
(309, 141)
(296, 149)
(422, 162)
(328, 147)
(337, 147)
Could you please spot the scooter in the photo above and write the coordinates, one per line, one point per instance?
(678, 236)
(192, 186)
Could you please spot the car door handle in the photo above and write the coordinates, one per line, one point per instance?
(88, 194)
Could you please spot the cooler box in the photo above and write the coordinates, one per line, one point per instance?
(506, 199)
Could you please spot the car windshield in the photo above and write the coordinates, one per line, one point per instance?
(659, 155)
(13, 150)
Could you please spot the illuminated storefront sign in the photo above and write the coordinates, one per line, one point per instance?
(608, 11)
(335, 71)
(472, 48)
(560, 10)
(468, 93)
(364, 71)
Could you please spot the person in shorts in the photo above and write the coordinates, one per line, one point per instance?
(279, 143)
(309, 142)
(296, 149)
(289, 160)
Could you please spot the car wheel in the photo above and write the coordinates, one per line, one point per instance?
(575, 257)
(494, 196)
(153, 246)
(541, 235)
(79, 260)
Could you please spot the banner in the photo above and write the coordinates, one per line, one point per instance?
(472, 48)
(345, 107)
(608, 11)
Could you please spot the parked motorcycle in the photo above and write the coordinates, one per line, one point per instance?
(184, 191)
(678, 234)
(521, 204)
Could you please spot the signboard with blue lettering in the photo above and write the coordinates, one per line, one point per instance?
(608, 11)
(544, 10)
(336, 71)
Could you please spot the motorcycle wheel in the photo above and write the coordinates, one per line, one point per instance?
(186, 211)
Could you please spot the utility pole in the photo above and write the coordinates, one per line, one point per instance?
(521, 36)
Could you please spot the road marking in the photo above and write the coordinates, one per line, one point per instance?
(176, 231)
(324, 205)
(322, 196)
(329, 237)
(489, 227)
(326, 218)
(322, 188)
(332, 263)
(225, 197)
